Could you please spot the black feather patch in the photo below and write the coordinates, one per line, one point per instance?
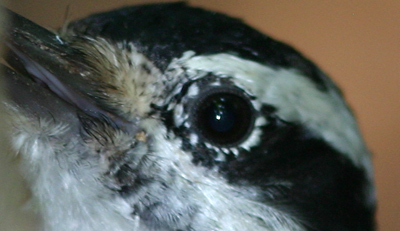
(165, 31)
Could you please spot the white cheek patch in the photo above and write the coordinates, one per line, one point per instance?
(206, 189)
(295, 96)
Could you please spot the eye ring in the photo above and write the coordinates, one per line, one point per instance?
(223, 116)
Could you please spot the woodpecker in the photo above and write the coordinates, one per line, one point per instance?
(171, 117)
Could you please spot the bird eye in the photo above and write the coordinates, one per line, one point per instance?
(223, 116)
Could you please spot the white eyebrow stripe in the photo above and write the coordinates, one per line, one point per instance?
(295, 96)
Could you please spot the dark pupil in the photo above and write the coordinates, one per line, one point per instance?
(221, 115)
(224, 118)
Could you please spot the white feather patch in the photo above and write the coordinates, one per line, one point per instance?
(222, 207)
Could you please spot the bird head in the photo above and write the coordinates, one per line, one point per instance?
(169, 117)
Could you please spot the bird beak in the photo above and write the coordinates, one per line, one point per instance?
(48, 75)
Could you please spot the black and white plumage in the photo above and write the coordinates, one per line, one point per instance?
(168, 117)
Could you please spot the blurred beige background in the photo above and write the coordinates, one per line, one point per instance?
(356, 42)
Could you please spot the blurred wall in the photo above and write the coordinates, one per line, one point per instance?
(356, 42)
